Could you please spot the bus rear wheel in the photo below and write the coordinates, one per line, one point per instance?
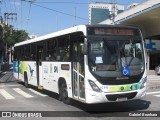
(63, 94)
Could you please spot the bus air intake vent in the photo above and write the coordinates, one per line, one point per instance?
(125, 95)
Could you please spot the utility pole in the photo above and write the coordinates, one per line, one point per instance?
(1, 42)
(2, 46)
(7, 16)
(12, 16)
(112, 15)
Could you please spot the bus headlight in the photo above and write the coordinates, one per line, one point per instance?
(144, 80)
(94, 86)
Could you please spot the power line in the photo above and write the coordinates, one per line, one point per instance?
(15, 24)
(29, 12)
(9, 12)
(61, 2)
(29, 15)
(53, 10)
(5, 5)
(60, 12)
(21, 14)
(15, 6)
(10, 5)
(49, 2)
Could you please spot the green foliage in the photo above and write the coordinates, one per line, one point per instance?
(11, 36)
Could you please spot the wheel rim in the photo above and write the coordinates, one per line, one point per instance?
(64, 93)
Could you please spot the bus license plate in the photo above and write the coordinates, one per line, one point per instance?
(121, 99)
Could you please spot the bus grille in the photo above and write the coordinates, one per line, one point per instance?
(126, 95)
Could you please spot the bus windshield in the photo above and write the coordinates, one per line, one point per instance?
(109, 57)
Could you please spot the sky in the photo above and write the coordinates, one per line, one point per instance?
(41, 17)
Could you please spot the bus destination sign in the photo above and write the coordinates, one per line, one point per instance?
(113, 31)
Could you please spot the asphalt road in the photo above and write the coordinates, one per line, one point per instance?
(15, 97)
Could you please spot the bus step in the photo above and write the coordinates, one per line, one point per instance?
(40, 87)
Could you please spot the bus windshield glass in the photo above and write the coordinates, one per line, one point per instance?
(115, 56)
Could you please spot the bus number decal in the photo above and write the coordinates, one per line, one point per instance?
(104, 87)
(55, 69)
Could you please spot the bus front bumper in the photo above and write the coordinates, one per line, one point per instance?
(93, 97)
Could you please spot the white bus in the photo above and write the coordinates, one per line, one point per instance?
(88, 63)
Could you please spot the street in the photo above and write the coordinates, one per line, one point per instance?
(91, 51)
(15, 97)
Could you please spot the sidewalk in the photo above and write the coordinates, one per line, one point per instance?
(151, 75)
(6, 75)
(153, 80)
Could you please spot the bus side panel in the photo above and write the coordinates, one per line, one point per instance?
(20, 74)
(16, 69)
(32, 73)
(30, 68)
(52, 72)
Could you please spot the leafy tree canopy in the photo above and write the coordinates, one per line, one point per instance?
(11, 36)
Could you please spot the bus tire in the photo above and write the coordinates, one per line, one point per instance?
(26, 80)
(63, 94)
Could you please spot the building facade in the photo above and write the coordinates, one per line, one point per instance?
(99, 12)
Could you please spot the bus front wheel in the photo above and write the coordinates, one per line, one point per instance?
(63, 94)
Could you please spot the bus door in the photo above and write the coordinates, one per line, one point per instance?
(39, 65)
(78, 70)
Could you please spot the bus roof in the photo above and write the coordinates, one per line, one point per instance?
(55, 34)
(67, 31)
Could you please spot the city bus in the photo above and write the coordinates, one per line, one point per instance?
(88, 63)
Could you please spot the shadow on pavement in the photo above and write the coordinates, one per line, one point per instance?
(132, 105)
(6, 77)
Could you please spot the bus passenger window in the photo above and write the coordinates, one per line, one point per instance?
(52, 57)
(66, 57)
(32, 57)
(33, 52)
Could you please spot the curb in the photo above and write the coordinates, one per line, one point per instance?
(153, 87)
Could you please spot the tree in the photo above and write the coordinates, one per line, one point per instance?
(12, 36)
(8, 37)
